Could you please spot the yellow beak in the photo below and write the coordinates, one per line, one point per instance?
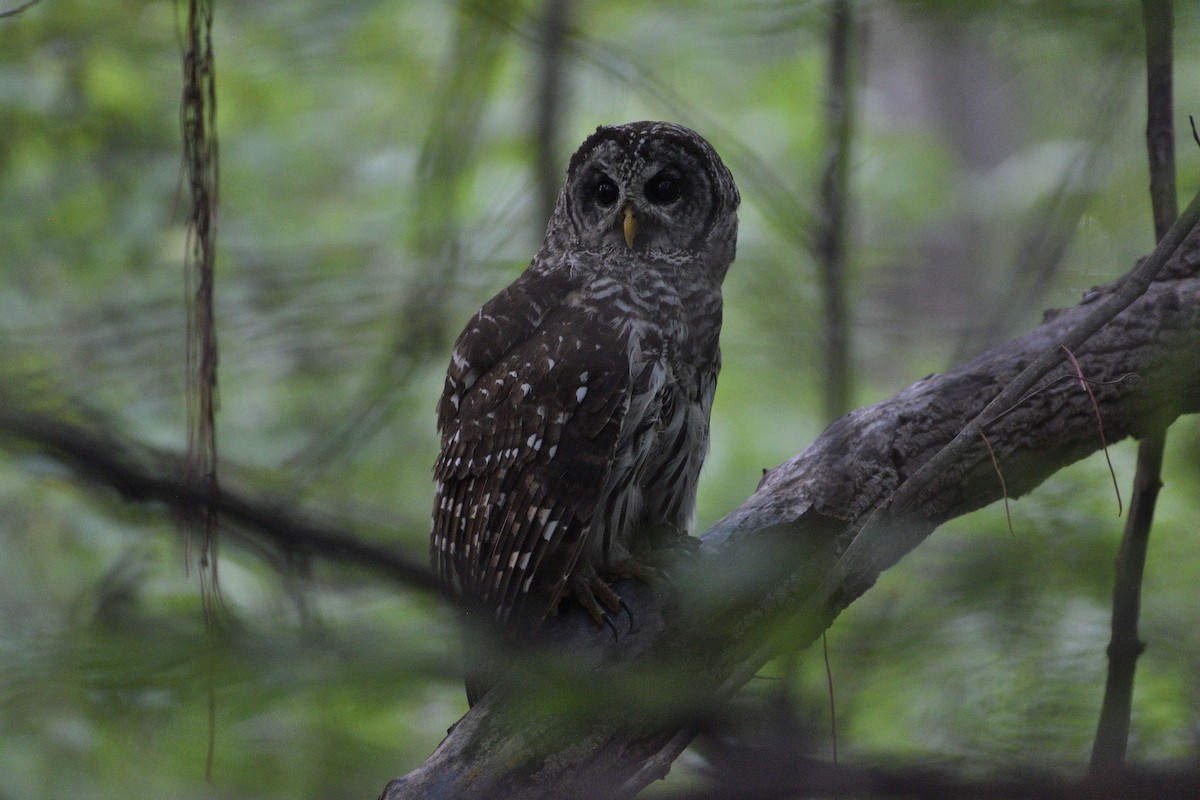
(630, 225)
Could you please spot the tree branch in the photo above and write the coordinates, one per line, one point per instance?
(12, 12)
(831, 233)
(1112, 729)
(773, 779)
(775, 572)
(141, 475)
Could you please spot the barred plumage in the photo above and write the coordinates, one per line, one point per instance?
(576, 405)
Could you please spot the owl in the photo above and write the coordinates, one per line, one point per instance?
(575, 414)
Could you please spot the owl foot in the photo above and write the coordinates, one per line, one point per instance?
(590, 590)
(596, 595)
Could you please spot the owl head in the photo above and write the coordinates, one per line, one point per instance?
(649, 187)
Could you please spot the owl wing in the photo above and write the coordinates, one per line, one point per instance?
(529, 419)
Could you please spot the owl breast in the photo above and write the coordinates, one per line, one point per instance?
(673, 361)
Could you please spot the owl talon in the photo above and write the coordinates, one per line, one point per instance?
(590, 590)
(612, 627)
(628, 611)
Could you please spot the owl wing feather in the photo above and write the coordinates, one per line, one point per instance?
(530, 419)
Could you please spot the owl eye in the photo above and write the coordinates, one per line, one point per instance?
(606, 192)
(663, 188)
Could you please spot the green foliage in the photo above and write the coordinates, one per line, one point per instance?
(376, 187)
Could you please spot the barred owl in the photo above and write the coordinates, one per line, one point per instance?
(575, 414)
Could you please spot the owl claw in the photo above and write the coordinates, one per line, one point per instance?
(590, 590)
(628, 611)
(608, 621)
(597, 596)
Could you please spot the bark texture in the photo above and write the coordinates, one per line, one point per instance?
(777, 570)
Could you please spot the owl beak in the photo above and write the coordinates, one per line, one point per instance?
(630, 225)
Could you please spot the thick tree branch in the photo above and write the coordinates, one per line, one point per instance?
(776, 571)
(1118, 298)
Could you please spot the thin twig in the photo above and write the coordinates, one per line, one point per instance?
(1003, 487)
(833, 732)
(1051, 383)
(547, 109)
(831, 251)
(12, 12)
(1083, 383)
(832, 229)
(1112, 729)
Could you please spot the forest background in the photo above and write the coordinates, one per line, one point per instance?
(385, 168)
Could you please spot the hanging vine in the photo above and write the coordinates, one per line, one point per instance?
(200, 161)
(198, 116)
